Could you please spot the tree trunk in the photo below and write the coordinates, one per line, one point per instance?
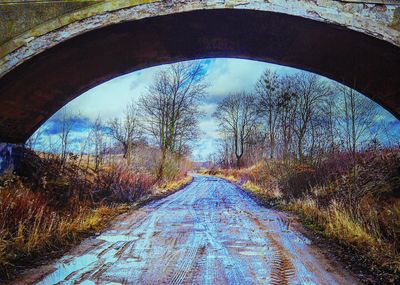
(238, 161)
(300, 150)
(160, 173)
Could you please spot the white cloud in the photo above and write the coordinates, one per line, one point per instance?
(226, 75)
(110, 98)
(230, 75)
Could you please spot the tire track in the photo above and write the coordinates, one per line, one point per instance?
(186, 264)
(282, 268)
(208, 233)
(205, 214)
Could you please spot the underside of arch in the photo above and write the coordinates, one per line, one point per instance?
(37, 88)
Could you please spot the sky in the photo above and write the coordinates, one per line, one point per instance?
(109, 99)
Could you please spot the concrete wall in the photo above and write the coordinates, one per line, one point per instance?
(6, 157)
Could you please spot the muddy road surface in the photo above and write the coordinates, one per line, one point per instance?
(210, 232)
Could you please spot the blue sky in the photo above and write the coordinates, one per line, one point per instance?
(109, 100)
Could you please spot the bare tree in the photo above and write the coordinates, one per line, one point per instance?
(300, 118)
(286, 104)
(97, 135)
(310, 91)
(170, 108)
(267, 88)
(67, 121)
(226, 148)
(126, 130)
(329, 117)
(357, 117)
(237, 115)
(83, 148)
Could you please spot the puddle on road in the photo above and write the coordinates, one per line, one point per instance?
(69, 271)
(117, 238)
(63, 270)
(252, 253)
(87, 282)
(133, 259)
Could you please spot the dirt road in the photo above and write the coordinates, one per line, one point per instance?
(208, 233)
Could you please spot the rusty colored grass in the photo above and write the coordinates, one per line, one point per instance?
(357, 204)
(30, 227)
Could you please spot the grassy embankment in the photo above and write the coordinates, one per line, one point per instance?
(356, 206)
(44, 211)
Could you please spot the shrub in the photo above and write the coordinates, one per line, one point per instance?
(121, 184)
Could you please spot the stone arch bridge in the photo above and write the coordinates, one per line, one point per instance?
(52, 51)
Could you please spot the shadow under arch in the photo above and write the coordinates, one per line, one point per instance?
(36, 89)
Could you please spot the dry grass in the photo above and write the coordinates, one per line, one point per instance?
(336, 222)
(256, 179)
(120, 184)
(356, 206)
(31, 227)
(228, 177)
(172, 186)
(363, 232)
